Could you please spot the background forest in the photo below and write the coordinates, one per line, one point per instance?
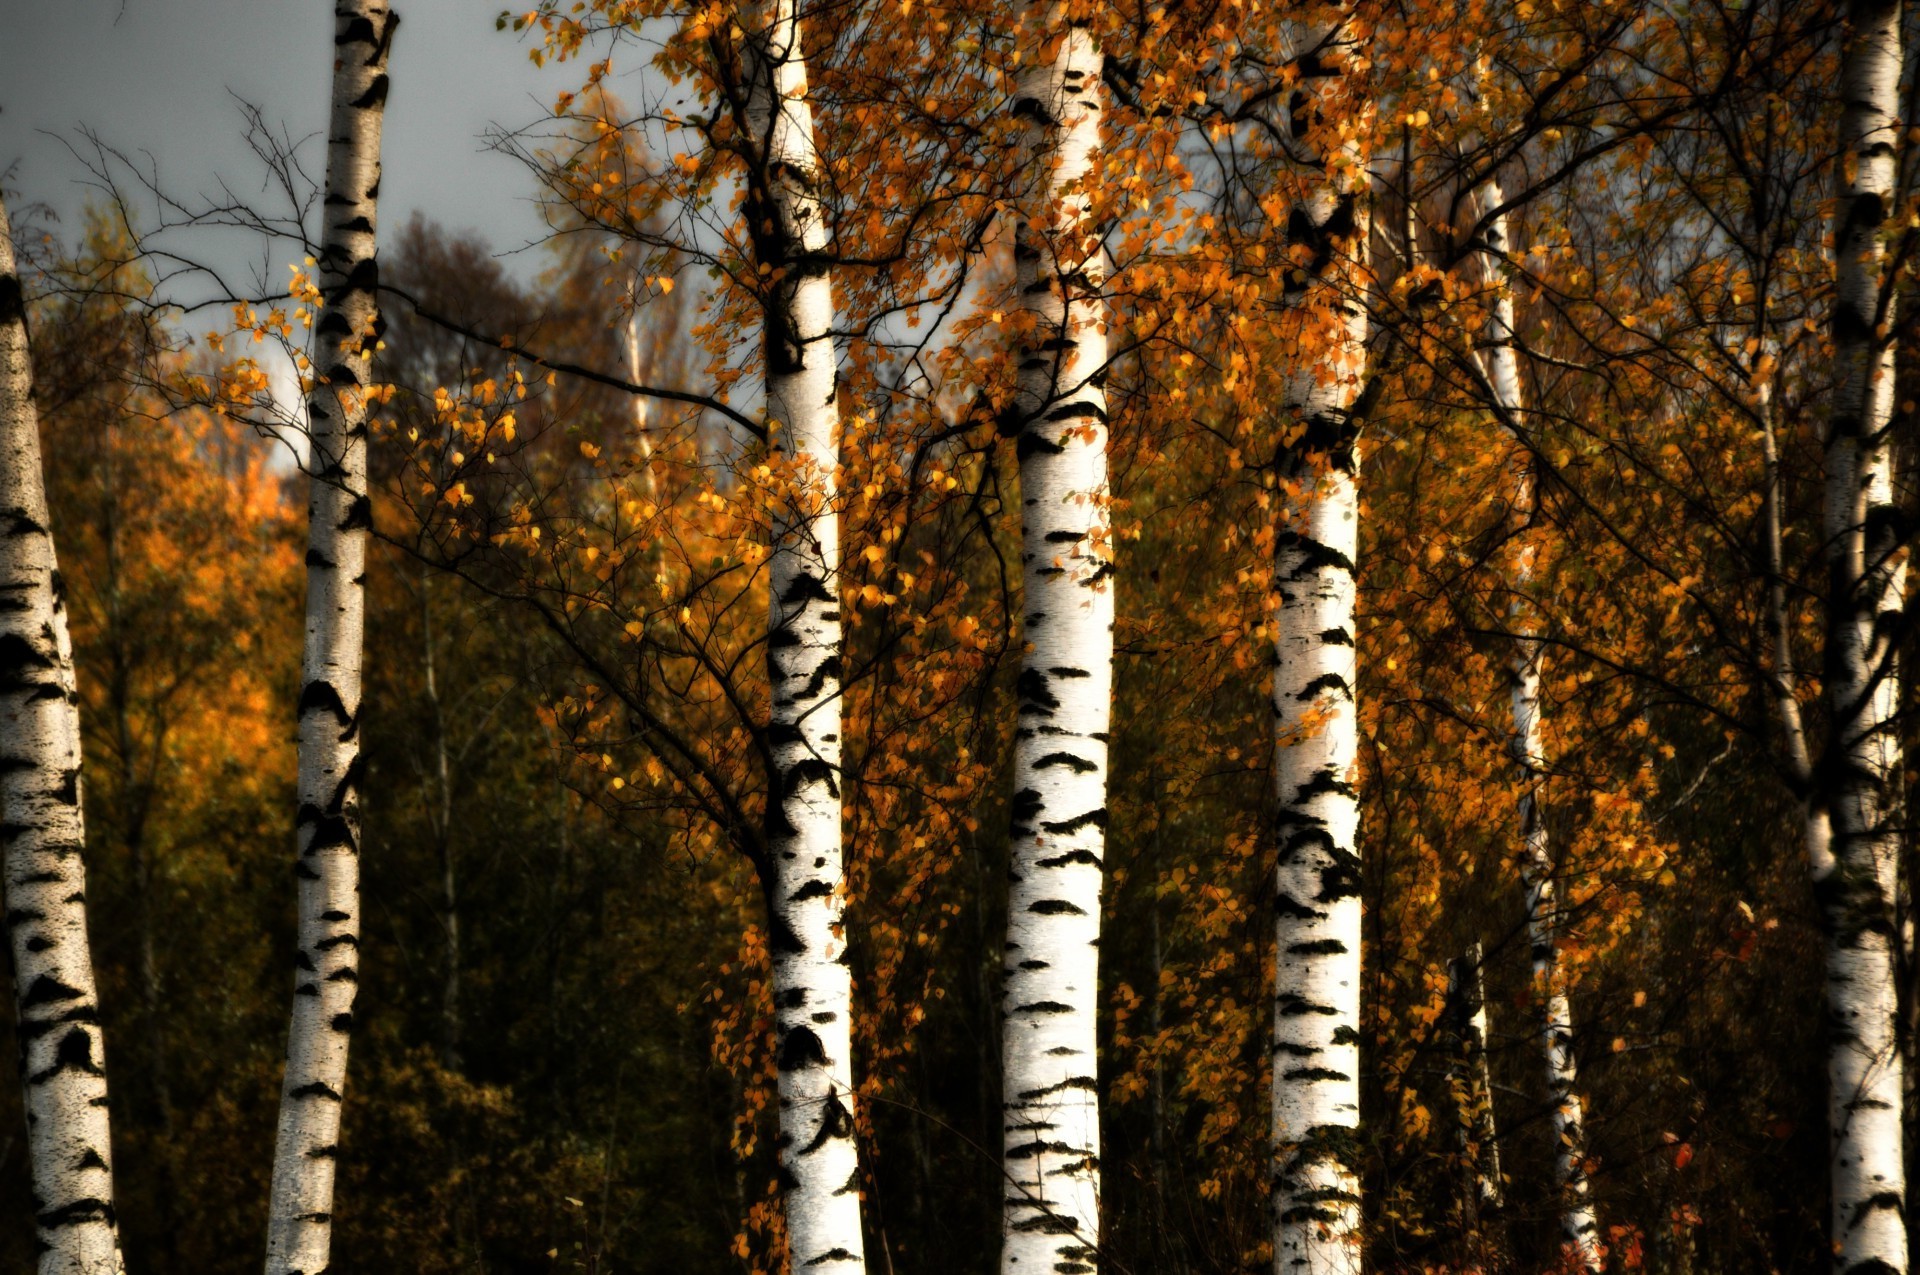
(1558, 295)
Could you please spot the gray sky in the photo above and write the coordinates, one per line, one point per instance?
(155, 75)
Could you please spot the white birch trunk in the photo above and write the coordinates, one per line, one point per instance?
(806, 879)
(339, 516)
(1857, 789)
(42, 837)
(1049, 1065)
(1579, 1229)
(1473, 1080)
(1316, 1039)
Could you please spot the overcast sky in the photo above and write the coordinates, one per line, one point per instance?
(156, 75)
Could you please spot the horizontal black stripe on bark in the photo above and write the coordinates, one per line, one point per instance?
(831, 1255)
(48, 990)
(1324, 682)
(1043, 1007)
(1091, 819)
(34, 1028)
(810, 770)
(1031, 444)
(1087, 1083)
(316, 1089)
(1313, 554)
(1081, 856)
(77, 1213)
(1056, 907)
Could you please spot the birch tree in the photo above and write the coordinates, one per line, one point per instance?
(1050, 1005)
(1579, 1230)
(42, 837)
(339, 517)
(1853, 843)
(1316, 1024)
(1472, 1081)
(805, 878)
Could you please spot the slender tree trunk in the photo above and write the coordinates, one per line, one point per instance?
(1579, 1229)
(339, 516)
(1316, 1036)
(42, 837)
(642, 433)
(1856, 790)
(1050, 1002)
(806, 878)
(441, 818)
(1473, 1082)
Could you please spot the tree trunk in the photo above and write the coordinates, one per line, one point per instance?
(1579, 1229)
(805, 879)
(1316, 1040)
(1854, 875)
(62, 1047)
(339, 516)
(1472, 1082)
(1050, 1006)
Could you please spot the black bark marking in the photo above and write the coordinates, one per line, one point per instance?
(47, 990)
(1091, 819)
(374, 97)
(800, 1048)
(359, 515)
(1056, 907)
(78, 1213)
(1031, 687)
(811, 770)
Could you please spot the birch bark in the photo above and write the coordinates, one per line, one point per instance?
(1579, 1229)
(339, 516)
(1856, 791)
(806, 878)
(1316, 1039)
(42, 837)
(1472, 1080)
(1049, 1066)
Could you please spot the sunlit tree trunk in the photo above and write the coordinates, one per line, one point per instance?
(1316, 1038)
(1050, 1001)
(1857, 789)
(339, 516)
(806, 878)
(1579, 1229)
(42, 837)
